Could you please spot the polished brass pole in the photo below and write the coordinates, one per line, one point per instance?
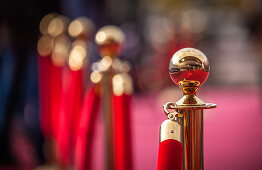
(110, 40)
(193, 139)
(107, 109)
(189, 69)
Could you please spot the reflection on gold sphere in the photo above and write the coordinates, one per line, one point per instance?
(110, 40)
(189, 67)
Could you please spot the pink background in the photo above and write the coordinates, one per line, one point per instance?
(232, 131)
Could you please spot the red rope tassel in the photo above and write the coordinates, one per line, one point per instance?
(122, 132)
(170, 155)
(84, 138)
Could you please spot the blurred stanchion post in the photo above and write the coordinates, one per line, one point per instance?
(115, 88)
(81, 29)
(181, 136)
(81, 114)
(57, 29)
(122, 90)
(51, 61)
(72, 96)
(67, 121)
(85, 132)
(45, 47)
(61, 71)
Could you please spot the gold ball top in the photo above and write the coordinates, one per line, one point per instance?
(110, 40)
(81, 27)
(57, 25)
(189, 67)
(45, 21)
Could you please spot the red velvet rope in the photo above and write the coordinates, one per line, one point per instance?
(44, 87)
(85, 132)
(170, 155)
(71, 101)
(122, 133)
(55, 96)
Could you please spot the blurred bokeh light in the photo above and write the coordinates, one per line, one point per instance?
(229, 32)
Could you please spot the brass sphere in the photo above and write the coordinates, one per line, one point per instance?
(81, 27)
(45, 21)
(110, 40)
(189, 67)
(57, 25)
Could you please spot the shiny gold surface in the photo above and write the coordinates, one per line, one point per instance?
(81, 26)
(44, 23)
(107, 109)
(112, 75)
(190, 99)
(96, 77)
(110, 40)
(186, 60)
(193, 140)
(170, 105)
(188, 69)
(108, 34)
(172, 128)
(57, 25)
(195, 107)
(186, 126)
(122, 84)
(61, 50)
(77, 57)
(45, 45)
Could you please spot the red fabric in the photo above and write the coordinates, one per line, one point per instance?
(55, 96)
(71, 101)
(170, 155)
(75, 100)
(122, 133)
(44, 64)
(85, 132)
(63, 124)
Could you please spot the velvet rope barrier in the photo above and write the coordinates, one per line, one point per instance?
(75, 101)
(122, 132)
(170, 155)
(85, 132)
(69, 114)
(63, 123)
(170, 151)
(50, 85)
(55, 96)
(44, 63)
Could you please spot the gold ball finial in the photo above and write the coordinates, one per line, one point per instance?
(110, 40)
(81, 27)
(189, 69)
